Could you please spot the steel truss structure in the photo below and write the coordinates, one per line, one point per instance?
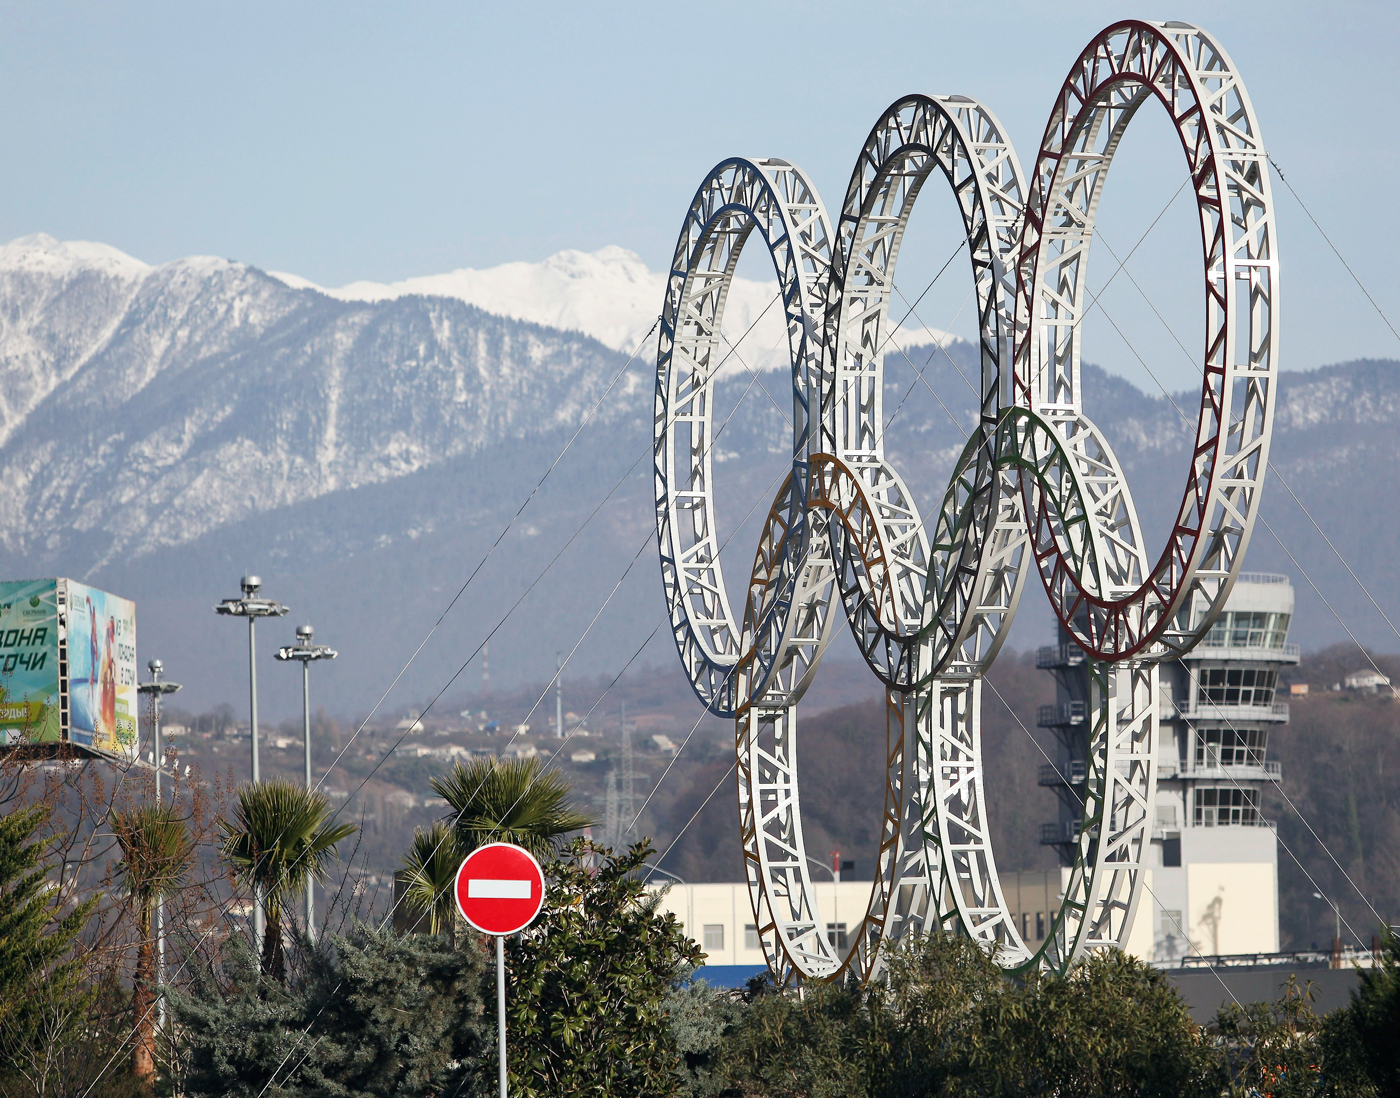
(929, 600)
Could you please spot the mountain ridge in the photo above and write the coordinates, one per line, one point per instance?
(163, 429)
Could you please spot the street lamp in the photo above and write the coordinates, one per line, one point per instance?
(157, 690)
(252, 608)
(1337, 941)
(304, 651)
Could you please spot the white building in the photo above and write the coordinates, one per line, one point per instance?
(1212, 886)
(1370, 681)
(720, 918)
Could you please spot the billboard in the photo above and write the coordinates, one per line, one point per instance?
(101, 670)
(30, 682)
(67, 666)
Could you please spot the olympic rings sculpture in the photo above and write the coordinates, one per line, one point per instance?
(1038, 487)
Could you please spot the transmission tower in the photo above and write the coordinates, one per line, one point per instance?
(611, 829)
(628, 773)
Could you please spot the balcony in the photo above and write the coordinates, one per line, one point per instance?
(1069, 774)
(1056, 834)
(1214, 770)
(1250, 653)
(1051, 716)
(1210, 711)
(1059, 655)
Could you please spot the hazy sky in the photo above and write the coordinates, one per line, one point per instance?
(347, 141)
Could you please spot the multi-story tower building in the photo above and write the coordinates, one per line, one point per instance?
(1214, 858)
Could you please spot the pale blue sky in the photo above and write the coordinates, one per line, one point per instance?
(350, 141)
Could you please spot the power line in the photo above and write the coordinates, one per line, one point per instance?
(1355, 278)
(1282, 793)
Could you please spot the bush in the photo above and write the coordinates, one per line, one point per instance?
(590, 980)
(948, 1022)
(375, 1014)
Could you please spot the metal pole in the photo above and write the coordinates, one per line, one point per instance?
(160, 897)
(558, 696)
(253, 696)
(258, 925)
(501, 1007)
(306, 745)
(157, 690)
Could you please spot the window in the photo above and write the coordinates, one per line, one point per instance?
(1039, 925)
(1248, 629)
(837, 933)
(1171, 852)
(1025, 923)
(1231, 746)
(1235, 686)
(1220, 807)
(751, 940)
(1171, 924)
(714, 937)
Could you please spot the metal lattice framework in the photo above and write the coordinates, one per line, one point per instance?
(929, 601)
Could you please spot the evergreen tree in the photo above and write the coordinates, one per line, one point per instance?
(376, 1015)
(1360, 1049)
(590, 980)
(41, 996)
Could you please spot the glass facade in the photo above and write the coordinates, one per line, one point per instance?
(1231, 746)
(1248, 629)
(1235, 686)
(1226, 806)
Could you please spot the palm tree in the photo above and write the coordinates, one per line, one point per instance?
(509, 801)
(279, 839)
(156, 854)
(430, 868)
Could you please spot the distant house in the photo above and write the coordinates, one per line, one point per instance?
(583, 756)
(663, 744)
(521, 751)
(1298, 689)
(1369, 681)
(410, 723)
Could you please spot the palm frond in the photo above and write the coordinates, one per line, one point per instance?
(279, 837)
(513, 800)
(157, 850)
(431, 866)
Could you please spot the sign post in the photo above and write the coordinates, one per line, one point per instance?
(500, 890)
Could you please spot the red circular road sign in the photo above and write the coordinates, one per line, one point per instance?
(500, 888)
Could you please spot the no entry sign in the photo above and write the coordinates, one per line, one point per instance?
(500, 888)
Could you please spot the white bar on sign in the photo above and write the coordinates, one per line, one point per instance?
(488, 888)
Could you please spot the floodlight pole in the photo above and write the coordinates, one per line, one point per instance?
(304, 651)
(252, 608)
(157, 689)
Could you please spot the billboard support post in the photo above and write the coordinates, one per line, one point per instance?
(252, 608)
(305, 651)
(157, 689)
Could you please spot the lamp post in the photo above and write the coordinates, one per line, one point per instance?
(1337, 941)
(252, 608)
(304, 651)
(157, 690)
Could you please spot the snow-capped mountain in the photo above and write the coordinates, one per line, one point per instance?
(164, 429)
(609, 294)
